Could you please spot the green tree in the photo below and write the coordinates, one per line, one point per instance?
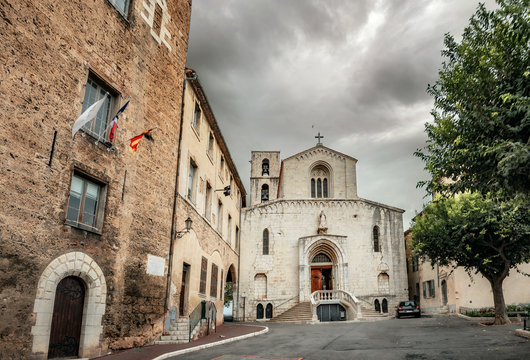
(479, 147)
(481, 130)
(479, 233)
(229, 293)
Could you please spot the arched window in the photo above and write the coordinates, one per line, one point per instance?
(264, 192)
(265, 167)
(268, 311)
(321, 258)
(259, 311)
(320, 187)
(377, 247)
(265, 242)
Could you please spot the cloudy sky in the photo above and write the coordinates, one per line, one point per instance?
(276, 72)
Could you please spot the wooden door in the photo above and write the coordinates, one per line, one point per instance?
(67, 317)
(316, 279)
(183, 288)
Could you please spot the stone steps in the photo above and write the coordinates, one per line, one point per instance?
(369, 313)
(178, 333)
(299, 313)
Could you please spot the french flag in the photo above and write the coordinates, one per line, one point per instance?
(114, 122)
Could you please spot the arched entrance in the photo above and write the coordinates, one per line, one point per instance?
(322, 264)
(377, 306)
(229, 289)
(321, 272)
(65, 332)
(384, 306)
(84, 273)
(259, 311)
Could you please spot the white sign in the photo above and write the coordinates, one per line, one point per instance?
(155, 265)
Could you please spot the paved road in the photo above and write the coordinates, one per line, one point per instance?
(408, 338)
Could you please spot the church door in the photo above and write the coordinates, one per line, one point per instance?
(67, 317)
(316, 280)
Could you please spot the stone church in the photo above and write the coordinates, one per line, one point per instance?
(312, 247)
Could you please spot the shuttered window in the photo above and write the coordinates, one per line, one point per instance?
(213, 281)
(204, 270)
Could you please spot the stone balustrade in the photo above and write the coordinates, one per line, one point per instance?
(342, 297)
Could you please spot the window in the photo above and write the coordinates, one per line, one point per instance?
(210, 145)
(208, 201)
(428, 289)
(204, 270)
(221, 166)
(265, 167)
(122, 6)
(94, 91)
(260, 286)
(376, 239)
(220, 217)
(265, 242)
(213, 281)
(264, 192)
(221, 289)
(192, 181)
(321, 258)
(229, 236)
(86, 203)
(197, 118)
(319, 182)
(237, 237)
(383, 283)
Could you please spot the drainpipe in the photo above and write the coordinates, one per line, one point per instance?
(238, 258)
(173, 233)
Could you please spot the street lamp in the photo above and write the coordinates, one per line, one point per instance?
(187, 230)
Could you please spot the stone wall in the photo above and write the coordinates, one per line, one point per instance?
(48, 49)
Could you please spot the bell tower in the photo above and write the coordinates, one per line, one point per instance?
(264, 176)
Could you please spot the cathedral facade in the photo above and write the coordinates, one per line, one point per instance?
(308, 238)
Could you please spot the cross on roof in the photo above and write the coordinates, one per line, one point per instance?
(319, 137)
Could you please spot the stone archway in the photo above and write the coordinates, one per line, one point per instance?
(80, 265)
(333, 246)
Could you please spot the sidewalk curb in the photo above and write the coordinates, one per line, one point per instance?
(205, 346)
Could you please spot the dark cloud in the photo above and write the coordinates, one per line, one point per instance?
(277, 72)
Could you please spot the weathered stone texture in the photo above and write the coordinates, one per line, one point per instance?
(47, 49)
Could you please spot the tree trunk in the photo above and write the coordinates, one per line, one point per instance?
(501, 315)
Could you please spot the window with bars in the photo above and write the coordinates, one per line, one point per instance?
(321, 258)
(266, 242)
(204, 271)
(86, 203)
(95, 90)
(213, 281)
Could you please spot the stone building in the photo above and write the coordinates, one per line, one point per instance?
(86, 226)
(211, 194)
(441, 289)
(309, 239)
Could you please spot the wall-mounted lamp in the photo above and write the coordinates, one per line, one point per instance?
(226, 190)
(187, 230)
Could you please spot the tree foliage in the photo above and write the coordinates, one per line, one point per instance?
(481, 130)
(228, 293)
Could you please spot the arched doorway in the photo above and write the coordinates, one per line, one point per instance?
(321, 272)
(377, 306)
(65, 333)
(259, 311)
(444, 292)
(229, 289)
(384, 305)
(268, 311)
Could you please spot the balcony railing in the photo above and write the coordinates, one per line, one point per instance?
(335, 297)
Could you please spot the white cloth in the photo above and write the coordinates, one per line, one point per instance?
(88, 115)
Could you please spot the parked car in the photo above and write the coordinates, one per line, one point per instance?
(408, 308)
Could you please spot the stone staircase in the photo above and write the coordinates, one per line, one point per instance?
(178, 332)
(370, 314)
(300, 313)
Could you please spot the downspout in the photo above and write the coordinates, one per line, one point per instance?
(238, 258)
(173, 233)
